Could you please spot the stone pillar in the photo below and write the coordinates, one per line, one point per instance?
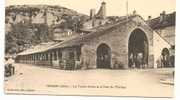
(22, 59)
(26, 59)
(35, 58)
(49, 58)
(41, 58)
(57, 55)
(45, 59)
(64, 58)
(52, 56)
(151, 61)
(37, 62)
(38, 58)
(29, 60)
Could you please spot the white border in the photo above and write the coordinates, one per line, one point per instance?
(34, 97)
(177, 62)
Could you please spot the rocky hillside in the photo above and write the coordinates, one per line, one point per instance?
(28, 25)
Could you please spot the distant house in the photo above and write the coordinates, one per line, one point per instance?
(63, 34)
(96, 19)
(165, 26)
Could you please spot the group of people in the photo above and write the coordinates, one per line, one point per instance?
(137, 60)
(9, 68)
(165, 61)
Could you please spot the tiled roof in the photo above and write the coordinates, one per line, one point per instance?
(76, 41)
(38, 48)
(169, 20)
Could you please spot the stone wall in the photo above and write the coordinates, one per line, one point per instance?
(159, 45)
(168, 33)
(117, 39)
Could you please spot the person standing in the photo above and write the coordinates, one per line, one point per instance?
(131, 60)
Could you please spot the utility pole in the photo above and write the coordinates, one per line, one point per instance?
(127, 9)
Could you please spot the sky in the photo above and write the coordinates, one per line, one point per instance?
(144, 8)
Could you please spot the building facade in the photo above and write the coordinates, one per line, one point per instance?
(112, 46)
(127, 43)
(164, 25)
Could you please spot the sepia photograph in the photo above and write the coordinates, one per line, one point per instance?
(90, 48)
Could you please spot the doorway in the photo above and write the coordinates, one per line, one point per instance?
(138, 49)
(103, 56)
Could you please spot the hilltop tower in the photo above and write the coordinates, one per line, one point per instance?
(102, 11)
(92, 13)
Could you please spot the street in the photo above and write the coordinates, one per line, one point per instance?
(32, 79)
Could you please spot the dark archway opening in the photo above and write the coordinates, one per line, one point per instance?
(165, 59)
(138, 49)
(103, 56)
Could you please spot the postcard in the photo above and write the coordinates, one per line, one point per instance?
(90, 47)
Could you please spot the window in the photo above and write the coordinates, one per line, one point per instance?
(173, 47)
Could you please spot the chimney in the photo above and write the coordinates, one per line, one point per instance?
(134, 12)
(149, 17)
(92, 13)
(162, 16)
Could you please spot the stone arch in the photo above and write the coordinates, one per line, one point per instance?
(165, 57)
(138, 49)
(165, 51)
(103, 53)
